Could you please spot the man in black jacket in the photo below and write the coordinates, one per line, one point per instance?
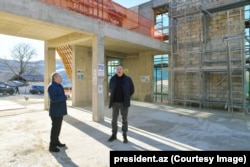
(121, 88)
(57, 109)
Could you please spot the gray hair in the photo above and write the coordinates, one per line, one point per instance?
(54, 75)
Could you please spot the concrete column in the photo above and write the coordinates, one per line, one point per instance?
(98, 78)
(170, 79)
(49, 68)
(81, 76)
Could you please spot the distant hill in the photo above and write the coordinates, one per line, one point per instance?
(39, 69)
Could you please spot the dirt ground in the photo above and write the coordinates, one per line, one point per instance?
(22, 138)
(24, 135)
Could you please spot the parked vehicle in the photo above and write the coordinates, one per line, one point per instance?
(6, 89)
(37, 89)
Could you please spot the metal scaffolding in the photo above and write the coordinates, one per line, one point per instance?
(208, 63)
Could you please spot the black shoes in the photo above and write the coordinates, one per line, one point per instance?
(60, 145)
(125, 140)
(112, 138)
(54, 149)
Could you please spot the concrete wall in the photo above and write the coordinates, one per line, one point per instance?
(157, 3)
(140, 66)
(147, 9)
(82, 76)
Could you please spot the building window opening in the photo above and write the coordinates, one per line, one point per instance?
(112, 64)
(161, 28)
(160, 79)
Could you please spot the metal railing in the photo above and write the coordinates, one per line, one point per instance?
(111, 12)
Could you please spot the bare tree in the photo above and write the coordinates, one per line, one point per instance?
(22, 54)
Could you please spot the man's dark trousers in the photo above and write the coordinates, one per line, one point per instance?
(55, 130)
(116, 107)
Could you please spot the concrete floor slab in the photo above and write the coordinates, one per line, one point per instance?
(25, 133)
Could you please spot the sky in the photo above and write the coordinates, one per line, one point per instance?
(9, 42)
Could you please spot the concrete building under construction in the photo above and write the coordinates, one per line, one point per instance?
(209, 61)
(178, 52)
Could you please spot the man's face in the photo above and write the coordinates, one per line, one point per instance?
(119, 71)
(58, 79)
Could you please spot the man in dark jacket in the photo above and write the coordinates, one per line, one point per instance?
(121, 88)
(57, 110)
